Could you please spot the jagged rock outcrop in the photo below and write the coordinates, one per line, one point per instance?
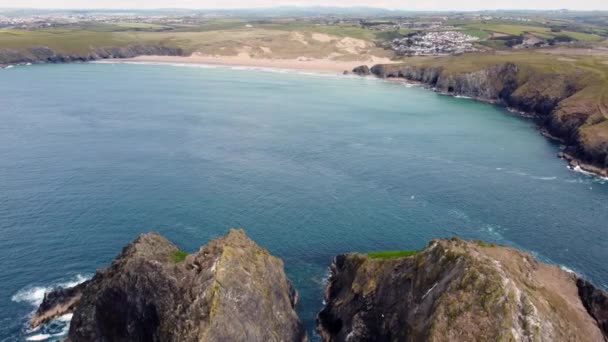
(455, 290)
(230, 290)
(595, 301)
(43, 54)
(362, 70)
(562, 104)
(58, 302)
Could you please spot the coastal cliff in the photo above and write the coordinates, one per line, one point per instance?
(43, 54)
(566, 105)
(233, 290)
(456, 290)
(230, 290)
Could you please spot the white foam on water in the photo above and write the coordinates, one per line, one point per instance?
(569, 270)
(34, 295)
(586, 173)
(227, 66)
(65, 318)
(182, 65)
(39, 337)
(544, 178)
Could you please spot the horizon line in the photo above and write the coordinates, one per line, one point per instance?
(297, 7)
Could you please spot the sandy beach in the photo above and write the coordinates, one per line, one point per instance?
(302, 63)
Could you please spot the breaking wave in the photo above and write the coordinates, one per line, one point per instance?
(34, 295)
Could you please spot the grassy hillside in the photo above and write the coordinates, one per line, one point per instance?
(544, 29)
(281, 38)
(576, 78)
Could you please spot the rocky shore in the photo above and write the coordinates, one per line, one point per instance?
(42, 54)
(556, 102)
(233, 290)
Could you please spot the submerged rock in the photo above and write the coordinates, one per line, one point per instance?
(230, 290)
(455, 290)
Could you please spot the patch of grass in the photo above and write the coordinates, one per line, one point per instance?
(392, 254)
(481, 34)
(484, 244)
(178, 256)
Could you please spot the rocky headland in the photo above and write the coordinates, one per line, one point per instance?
(457, 290)
(44, 54)
(566, 104)
(233, 290)
(229, 290)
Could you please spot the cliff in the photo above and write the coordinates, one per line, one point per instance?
(233, 290)
(43, 54)
(455, 290)
(565, 102)
(230, 290)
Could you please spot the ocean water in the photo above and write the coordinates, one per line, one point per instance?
(310, 165)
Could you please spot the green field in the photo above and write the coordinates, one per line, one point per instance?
(285, 38)
(484, 30)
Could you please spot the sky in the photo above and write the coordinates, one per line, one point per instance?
(394, 4)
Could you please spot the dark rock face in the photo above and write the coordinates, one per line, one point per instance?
(453, 290)
(43, 54)
(550, 98)
(362, 70)
(596, 303)
(230, 290)
(58, 302)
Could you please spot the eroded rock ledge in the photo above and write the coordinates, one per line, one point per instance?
(562, 104)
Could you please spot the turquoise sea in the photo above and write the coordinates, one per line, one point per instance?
(311, 165)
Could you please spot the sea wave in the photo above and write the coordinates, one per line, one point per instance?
(544, 178)
(182, 65)
(578, 169)
(232, 67)
(34, 295)
(567, 269)
(53, 331)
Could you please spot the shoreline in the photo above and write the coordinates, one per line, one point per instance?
(329, 66)
(573, 163)
(324, 65)
(577, 165)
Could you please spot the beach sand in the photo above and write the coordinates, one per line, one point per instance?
(302, 63)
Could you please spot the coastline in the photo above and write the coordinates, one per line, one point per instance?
(577, 165)
(303, 64)
(327, 65)
(485, 89)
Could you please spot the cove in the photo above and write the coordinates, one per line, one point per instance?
(311, 165)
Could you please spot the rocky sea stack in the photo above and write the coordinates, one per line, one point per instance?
(234, 290)
(230, 290)
(456, 290)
